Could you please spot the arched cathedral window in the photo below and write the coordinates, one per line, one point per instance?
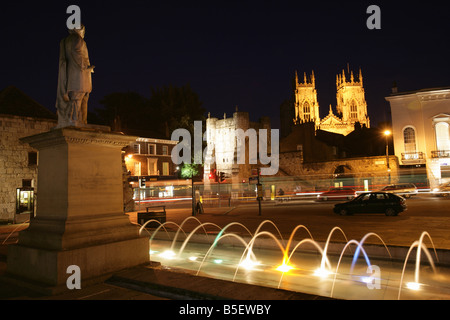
(353, 111)
(306, 112)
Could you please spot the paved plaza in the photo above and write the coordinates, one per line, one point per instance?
(156, 283)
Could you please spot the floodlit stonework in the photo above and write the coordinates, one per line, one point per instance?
(15, 165)
(351, 104)
(221, 139)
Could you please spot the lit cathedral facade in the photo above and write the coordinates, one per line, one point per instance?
(351, 104)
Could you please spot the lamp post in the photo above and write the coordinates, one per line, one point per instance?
(387, 133)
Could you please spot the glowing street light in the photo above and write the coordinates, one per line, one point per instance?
(387, 133)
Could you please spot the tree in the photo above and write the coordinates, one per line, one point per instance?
(178, 107)
(191, 171)
(167, 109)
(128, 110)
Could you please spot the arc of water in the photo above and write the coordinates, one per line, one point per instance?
(147, 222)
(418, 251)
(161, 225)
(271, 222)
(229, 225)
(293, 233)
(319, 248)
(358, 248)
(181, 228)
(325, 250)
(420, 246)
(340, 258)
(192, 233)
(211, 248)
(298, 245)
(220, 236)
(249, 248)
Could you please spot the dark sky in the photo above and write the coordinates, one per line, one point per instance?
(231, 52)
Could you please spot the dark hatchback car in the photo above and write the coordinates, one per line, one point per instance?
(372, 202)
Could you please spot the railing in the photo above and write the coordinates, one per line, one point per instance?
(440, 154)
(413, 157)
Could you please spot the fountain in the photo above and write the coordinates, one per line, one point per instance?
(304, 265)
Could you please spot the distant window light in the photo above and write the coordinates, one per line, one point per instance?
(137, 148)
(165, 150)
(165, 168)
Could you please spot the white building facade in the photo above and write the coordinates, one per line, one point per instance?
(421, 130)
(223, 144)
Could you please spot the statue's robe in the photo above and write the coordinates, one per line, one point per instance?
(74, 80)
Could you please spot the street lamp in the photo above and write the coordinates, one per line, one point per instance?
(387, 133)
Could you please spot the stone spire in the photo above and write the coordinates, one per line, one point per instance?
(360, 77)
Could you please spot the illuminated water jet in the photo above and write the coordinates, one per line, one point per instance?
(249, 247)
(420, 247)
(193, 232)
(266, 259)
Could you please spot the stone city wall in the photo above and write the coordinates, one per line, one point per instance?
(14, 166)
(323, 173)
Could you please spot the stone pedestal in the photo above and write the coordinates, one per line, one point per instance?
(79, 219)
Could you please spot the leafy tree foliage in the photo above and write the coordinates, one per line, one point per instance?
(179, 107)
(167, 109)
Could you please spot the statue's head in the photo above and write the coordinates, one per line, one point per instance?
(81, 31)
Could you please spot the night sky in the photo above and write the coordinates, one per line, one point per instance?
(231, 52)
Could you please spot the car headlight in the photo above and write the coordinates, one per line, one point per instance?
(435, 189)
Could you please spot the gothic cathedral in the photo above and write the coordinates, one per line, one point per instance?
(351, 104)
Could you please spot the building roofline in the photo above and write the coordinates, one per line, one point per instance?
(417, 92)
(7, 115)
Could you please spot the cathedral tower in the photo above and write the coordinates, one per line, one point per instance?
(305, 100)
(351, 103)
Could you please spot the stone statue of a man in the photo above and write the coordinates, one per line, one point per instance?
(74, 80)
